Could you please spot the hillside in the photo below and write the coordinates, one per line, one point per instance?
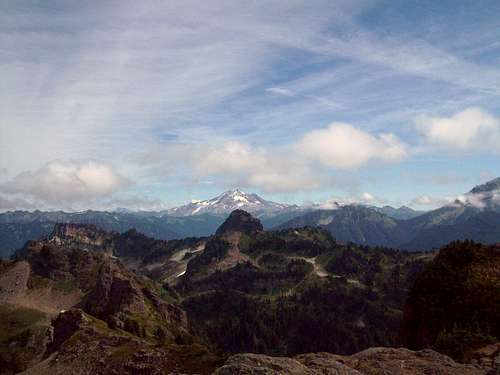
(358, 224)
(454, 306)
(280, 285)
(71, 301)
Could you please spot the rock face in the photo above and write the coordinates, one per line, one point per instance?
(105, 288)
(487, 357)
(390, 361)
(240, 221)
(453, 305)
(83, 235)
(123, 301)
(374, 361)
(65, 325)
(84, 345)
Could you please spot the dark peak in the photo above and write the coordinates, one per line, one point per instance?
(406, 208)
(240, 221)
(487, 187)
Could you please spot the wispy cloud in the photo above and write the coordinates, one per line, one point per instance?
(111, 80)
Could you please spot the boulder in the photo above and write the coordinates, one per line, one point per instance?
(373, 361)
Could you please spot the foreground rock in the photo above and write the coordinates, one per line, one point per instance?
(84, 345)
(373, 361)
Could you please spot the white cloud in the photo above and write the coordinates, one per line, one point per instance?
(470, 130)
(355, 199)
(130, 202)
(368, 198)
(243, 165)
(346, 147)
(15, 203)
(290, 168)
(428, 201)
(118, 78)
(63, 182)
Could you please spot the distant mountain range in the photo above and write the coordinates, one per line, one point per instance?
(474, 215)
(17, 227)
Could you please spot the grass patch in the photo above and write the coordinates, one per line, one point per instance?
(14, 320)
(65, 286)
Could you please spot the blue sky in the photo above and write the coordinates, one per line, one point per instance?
(152, 104)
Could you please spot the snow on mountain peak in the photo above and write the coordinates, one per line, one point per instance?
(227, 202)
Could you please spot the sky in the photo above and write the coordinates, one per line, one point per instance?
(149, 105)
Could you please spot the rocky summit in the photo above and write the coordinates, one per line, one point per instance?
(240, 221)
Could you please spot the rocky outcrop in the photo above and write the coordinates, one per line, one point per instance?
(126, 301)
(105, 288)
(65, 325)
(306, 364)
(487, 357)
(391, 361)
(115, 291)
(253, 364)
(73, 266)
(240, 221)
(83, 236)
(85, 345)
(374, 361)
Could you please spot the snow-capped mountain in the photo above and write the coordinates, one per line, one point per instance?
(229, 201)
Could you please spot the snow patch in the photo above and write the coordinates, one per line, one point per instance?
(182, 273)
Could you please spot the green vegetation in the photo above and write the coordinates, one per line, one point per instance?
(65, 286)
(22, 333)
(17, 319)
(325, 316)
(277, 304)
(454, 305)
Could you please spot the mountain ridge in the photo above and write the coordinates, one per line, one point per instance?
(387, 226)
(475, 215)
